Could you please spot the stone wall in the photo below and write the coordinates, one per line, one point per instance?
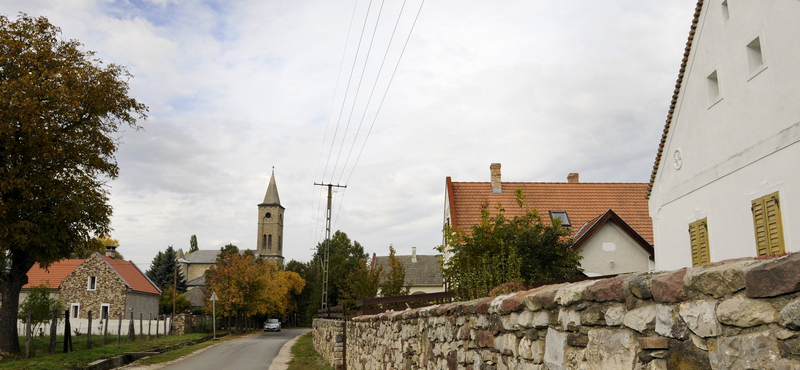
(329, 341)
(110, 289)
(742, 314)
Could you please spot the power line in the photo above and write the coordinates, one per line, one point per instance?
(386, 92)
(366, 108)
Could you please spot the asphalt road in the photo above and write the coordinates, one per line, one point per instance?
(251, 352)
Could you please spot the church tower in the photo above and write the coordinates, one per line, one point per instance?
(270, 224)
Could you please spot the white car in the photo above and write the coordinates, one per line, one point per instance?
(272, 325)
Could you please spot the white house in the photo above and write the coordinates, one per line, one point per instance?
(725, 183)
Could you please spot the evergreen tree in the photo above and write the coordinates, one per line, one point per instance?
(393, 280)
(162, 270)
(193, 244)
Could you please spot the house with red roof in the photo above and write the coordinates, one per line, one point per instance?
(725, 182)
(609, 222)
(101, 283)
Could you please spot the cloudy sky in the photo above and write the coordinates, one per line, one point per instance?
(544, 87)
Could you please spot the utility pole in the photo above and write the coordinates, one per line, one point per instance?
(327, 254)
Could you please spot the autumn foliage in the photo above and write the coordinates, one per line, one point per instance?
(250, 285)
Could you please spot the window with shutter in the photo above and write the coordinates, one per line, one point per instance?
(698, 237)
(768, 225)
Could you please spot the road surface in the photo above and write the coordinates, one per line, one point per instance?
(251, 352)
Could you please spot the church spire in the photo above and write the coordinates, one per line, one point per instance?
(272, 191)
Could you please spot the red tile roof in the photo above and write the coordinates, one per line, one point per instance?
(675, 93)
(588, 229)
(583, 202)
(134, 277)
(53, 276)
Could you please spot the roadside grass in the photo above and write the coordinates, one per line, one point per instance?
(82, 356)
(305, 357)
(178, 353)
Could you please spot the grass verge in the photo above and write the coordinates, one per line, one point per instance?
(305, 357)
(178, 353)
(82, 356)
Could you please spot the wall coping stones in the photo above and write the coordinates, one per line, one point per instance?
(719, 279)
(573, 293)
(605, 290)
(668, 287)
(774, 278)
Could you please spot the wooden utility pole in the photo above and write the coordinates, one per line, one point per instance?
(326, 255)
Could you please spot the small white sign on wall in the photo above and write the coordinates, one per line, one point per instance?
(609, 247)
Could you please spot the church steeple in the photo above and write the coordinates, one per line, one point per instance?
(272, 191)
(270, 224)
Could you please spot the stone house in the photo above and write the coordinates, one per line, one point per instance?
(723, 184)
(101, 284)
(423, 272)
(609, 222)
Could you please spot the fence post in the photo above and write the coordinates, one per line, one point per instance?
(119, 329)
(172, 323)
(89, 332)
(67, 331)
(158, 326)
(53, 331)
(150, 326)
(131, 330)
(28, 349)
(141, 329)
(105, 328)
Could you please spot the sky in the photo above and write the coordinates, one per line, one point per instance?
(235, 88)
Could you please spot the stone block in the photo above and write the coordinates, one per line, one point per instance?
(744, 312)
(641, 286)
(718, 280)
(570, 320)
(789, 316)
(653, 343)
(641, 319)
(525, 319)
(573, 293)
(592, 315)
(611, 349)
(614, 315)
(668, 287)
(541, 319)
(685, 356)
(669, 323)
(512, 304)
(484, 339)
(555, 350)
(774, 278)
(747, 351)
(612, 289)
(701, 318)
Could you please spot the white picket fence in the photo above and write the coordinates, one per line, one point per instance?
(82, 326)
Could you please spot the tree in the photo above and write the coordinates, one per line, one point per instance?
(182, 303)
(393, 281)
(502, 250)
(193, 244)
(41, 306)
(362, 282)
(97, 244)
(345, 256)
(61, 111)
(162, 270)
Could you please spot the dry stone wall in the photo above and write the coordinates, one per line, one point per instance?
(328, 340)
(742, 314)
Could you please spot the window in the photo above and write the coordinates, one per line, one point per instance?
(75, 310)
(263, 240)
(280, 242)
(562, 215)
(268, 215)
(725, 13)
(91, 283)
(768, 225)
(698, 238)
(104, 308)
(755, 59)
(269, 241)
(713, 88)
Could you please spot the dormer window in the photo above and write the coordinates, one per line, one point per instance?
(560, 215)
(91, 283)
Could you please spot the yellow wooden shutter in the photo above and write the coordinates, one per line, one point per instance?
(698, 238)
(768, 225)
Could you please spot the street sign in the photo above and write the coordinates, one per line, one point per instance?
(214, 296)
(214, 300)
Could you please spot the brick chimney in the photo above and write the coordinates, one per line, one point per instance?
(413, 254)
(111, 251)
(496, 183)
(573, 178)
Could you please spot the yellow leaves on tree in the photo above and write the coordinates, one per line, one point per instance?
(247, 284)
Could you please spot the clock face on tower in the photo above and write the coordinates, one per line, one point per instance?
(268, 215)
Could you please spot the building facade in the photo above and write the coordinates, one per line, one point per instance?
(270, 224)
(724, 184)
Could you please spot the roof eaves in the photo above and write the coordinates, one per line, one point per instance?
(452, 203)
(675, 94)
(113, 269)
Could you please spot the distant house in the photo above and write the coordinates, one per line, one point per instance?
(609, 222)
(725, 182)
(101, 284)
(423, 272)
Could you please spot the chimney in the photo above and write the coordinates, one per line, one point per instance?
(413, 254)
(111, 251)
(496, 183)
(573, 178)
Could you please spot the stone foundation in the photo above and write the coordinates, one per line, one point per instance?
(329, 341)
(742, 314)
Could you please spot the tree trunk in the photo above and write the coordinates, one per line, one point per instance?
(10, 285)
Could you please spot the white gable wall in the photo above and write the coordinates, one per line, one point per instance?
(738, 147)
(611, 251)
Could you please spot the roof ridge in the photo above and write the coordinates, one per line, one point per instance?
(687, 51)
(551, 182)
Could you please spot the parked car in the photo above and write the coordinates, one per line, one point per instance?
(272, 325)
